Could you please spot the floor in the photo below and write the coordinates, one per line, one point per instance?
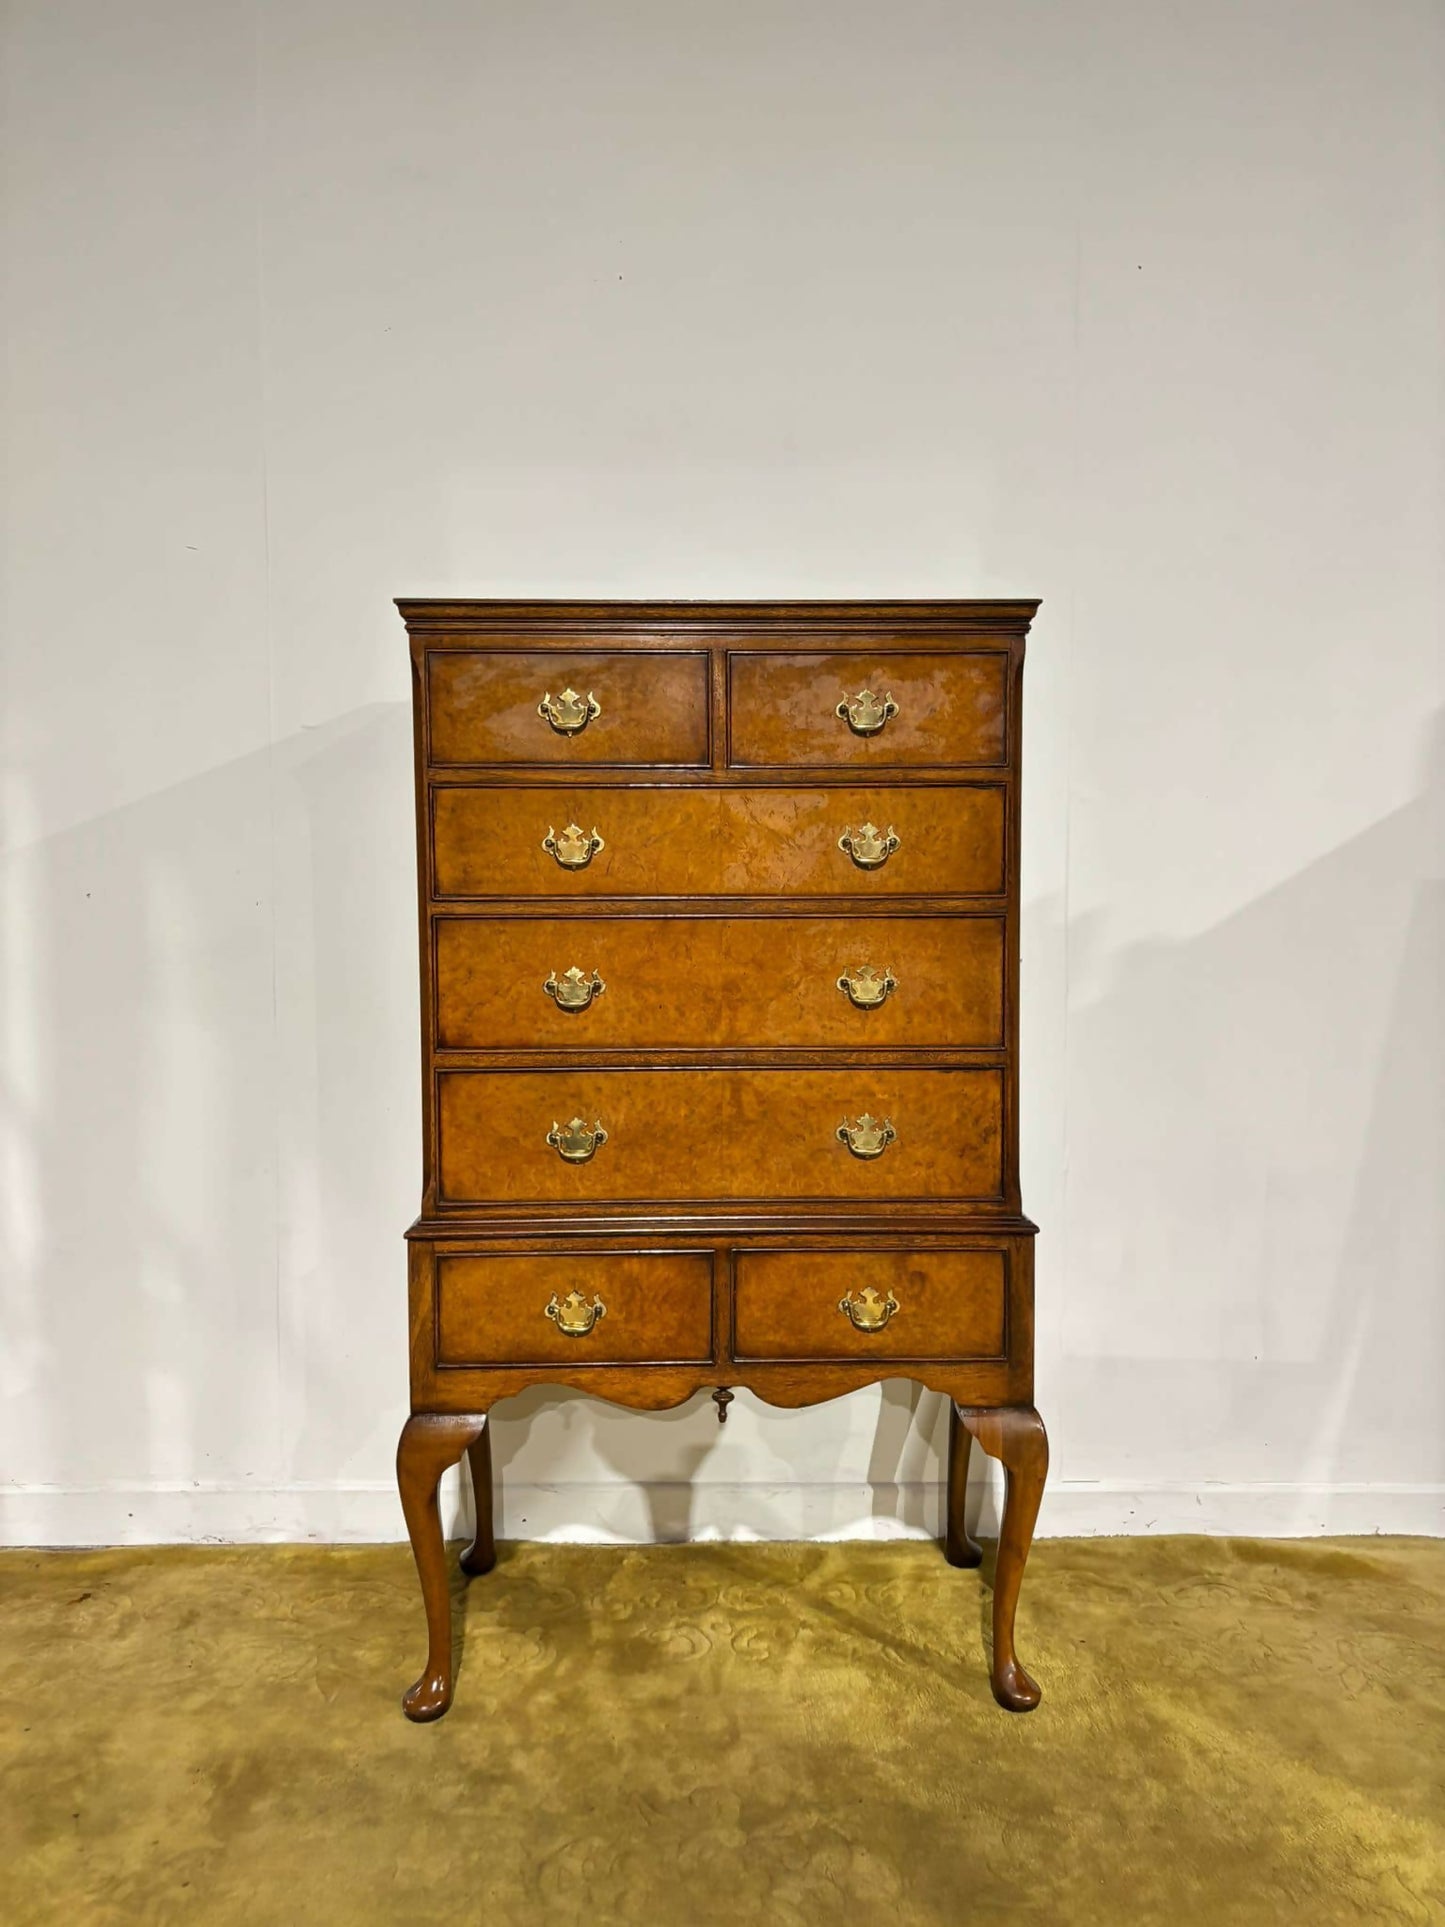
(1232, 1731)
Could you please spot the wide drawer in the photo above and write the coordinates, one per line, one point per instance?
(524, 982)
(718, 842)
(541, 1308)
(719, 1134)
(897, 708)
(875, 1304)
(638, 706)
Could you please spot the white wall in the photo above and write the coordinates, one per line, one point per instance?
(1133, 306)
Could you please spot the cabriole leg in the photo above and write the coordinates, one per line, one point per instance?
(1015, 1436)
(958, 1548)
(481, 1555)
(430, 1442)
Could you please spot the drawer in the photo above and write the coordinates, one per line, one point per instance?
(717, 842)
(931, 1304)
(650, 706)
(657, 1308)
(702, 1134)
(728, 982)
(941, 709)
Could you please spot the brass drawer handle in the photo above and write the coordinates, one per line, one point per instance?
(865, 714)
(866, 1137)
(866, 987)
(573, 849)
(866, 1311)
(869, 847)
(574, 1317)
(569, 713)
(574, 1141)
(574, 989)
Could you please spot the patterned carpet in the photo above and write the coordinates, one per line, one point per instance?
(1232, 1731)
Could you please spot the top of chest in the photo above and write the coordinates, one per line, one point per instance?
(706, 684)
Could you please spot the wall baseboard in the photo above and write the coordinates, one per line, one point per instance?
(368, 1511)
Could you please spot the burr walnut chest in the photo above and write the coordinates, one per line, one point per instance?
(719, 987)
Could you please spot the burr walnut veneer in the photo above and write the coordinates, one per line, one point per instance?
(719, 988)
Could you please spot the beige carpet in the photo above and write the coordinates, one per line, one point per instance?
(1231, 1731)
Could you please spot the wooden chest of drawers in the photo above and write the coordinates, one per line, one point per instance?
(719, 986)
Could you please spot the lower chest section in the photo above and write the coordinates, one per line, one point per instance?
(794, 1318)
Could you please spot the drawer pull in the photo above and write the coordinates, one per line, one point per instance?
(574, 1317)
(569, 713)
(573, 849)
(866, 987)
(865, 714)
(574, 989)
(574, 1141)
(869, 847)
(866, 1311)
(866, 1137)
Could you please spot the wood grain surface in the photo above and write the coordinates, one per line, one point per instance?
(483, 707)
(717, 842)
(493, 1310)
(950, 1304)
(721, 1134)
(718, 981)
(782, 710)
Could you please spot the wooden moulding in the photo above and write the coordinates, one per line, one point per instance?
(676, 624)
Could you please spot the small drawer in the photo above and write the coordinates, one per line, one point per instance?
(942, 710)
(637, 983)
(576, 842)
(870, 1304)
(552, 706)
(543, 1309)
(588, 1135)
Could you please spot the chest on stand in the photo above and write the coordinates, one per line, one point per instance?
(719, 989)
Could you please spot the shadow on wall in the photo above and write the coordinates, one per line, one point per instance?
(350, 1085)
(140, 1125)
(661, 1455)
(210, 1125)
(1255, 1241)
(208, 996)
